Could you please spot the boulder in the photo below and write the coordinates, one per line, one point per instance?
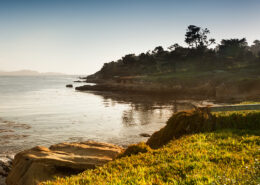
(41, 164)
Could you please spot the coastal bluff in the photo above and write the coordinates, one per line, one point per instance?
(38, 164)
(246, 89)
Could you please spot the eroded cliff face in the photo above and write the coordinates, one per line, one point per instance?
(202, 90)
(41, 164)
(222, 90)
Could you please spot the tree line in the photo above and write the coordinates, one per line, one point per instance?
(201, 53)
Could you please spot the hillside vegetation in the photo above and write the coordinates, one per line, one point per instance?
(225, 151)
(203, 59)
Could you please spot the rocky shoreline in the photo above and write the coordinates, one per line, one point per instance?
(249, 90)
(5, 167)
(71, 158)
(38, 164)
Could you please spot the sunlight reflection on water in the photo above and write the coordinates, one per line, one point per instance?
(53, 114)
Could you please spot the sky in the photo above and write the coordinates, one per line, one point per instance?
(79, 36)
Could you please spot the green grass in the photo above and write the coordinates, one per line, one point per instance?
(224, 156)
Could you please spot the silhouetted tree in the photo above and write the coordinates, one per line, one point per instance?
(257, 42)
(197, 37)
(197, 56)
(129, 59)
(173, 47)
(233, 48)
(255, 48)
(158, 50)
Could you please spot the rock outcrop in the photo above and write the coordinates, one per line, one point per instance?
(205, 90)
(40, 163)
(5, 167)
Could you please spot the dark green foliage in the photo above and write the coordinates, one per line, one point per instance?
(238, 120)
(197, 37)
(230, 53)
(255, 48)
(234, 48)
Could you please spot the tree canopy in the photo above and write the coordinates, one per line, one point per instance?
(197, 37)
(199, 54)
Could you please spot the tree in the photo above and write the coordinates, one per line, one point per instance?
(258, 54)
(129, 59)
(196, 37)
(234, 48)
(255, 48)
(257, 42)
(174, 47)
(158, 50)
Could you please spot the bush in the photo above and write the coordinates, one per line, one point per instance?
(238, 120)
(181, 123)
(135, 149)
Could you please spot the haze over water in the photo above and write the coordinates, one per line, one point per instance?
(41, 111)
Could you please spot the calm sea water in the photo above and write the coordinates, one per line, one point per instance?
(40, 110)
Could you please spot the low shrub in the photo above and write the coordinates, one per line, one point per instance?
(181, 123)
(135, 149)
(238, 120)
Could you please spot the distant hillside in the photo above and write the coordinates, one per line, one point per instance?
(28, 73)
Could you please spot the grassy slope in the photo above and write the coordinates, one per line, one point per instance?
(228, 156)
(189, 75)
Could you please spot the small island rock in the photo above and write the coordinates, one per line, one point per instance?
(145, 135)
(69, 85)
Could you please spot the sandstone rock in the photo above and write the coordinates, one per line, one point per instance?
(40, 163)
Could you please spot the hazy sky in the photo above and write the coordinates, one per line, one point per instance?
(78, 36)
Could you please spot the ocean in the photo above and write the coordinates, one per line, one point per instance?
(40, 110)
